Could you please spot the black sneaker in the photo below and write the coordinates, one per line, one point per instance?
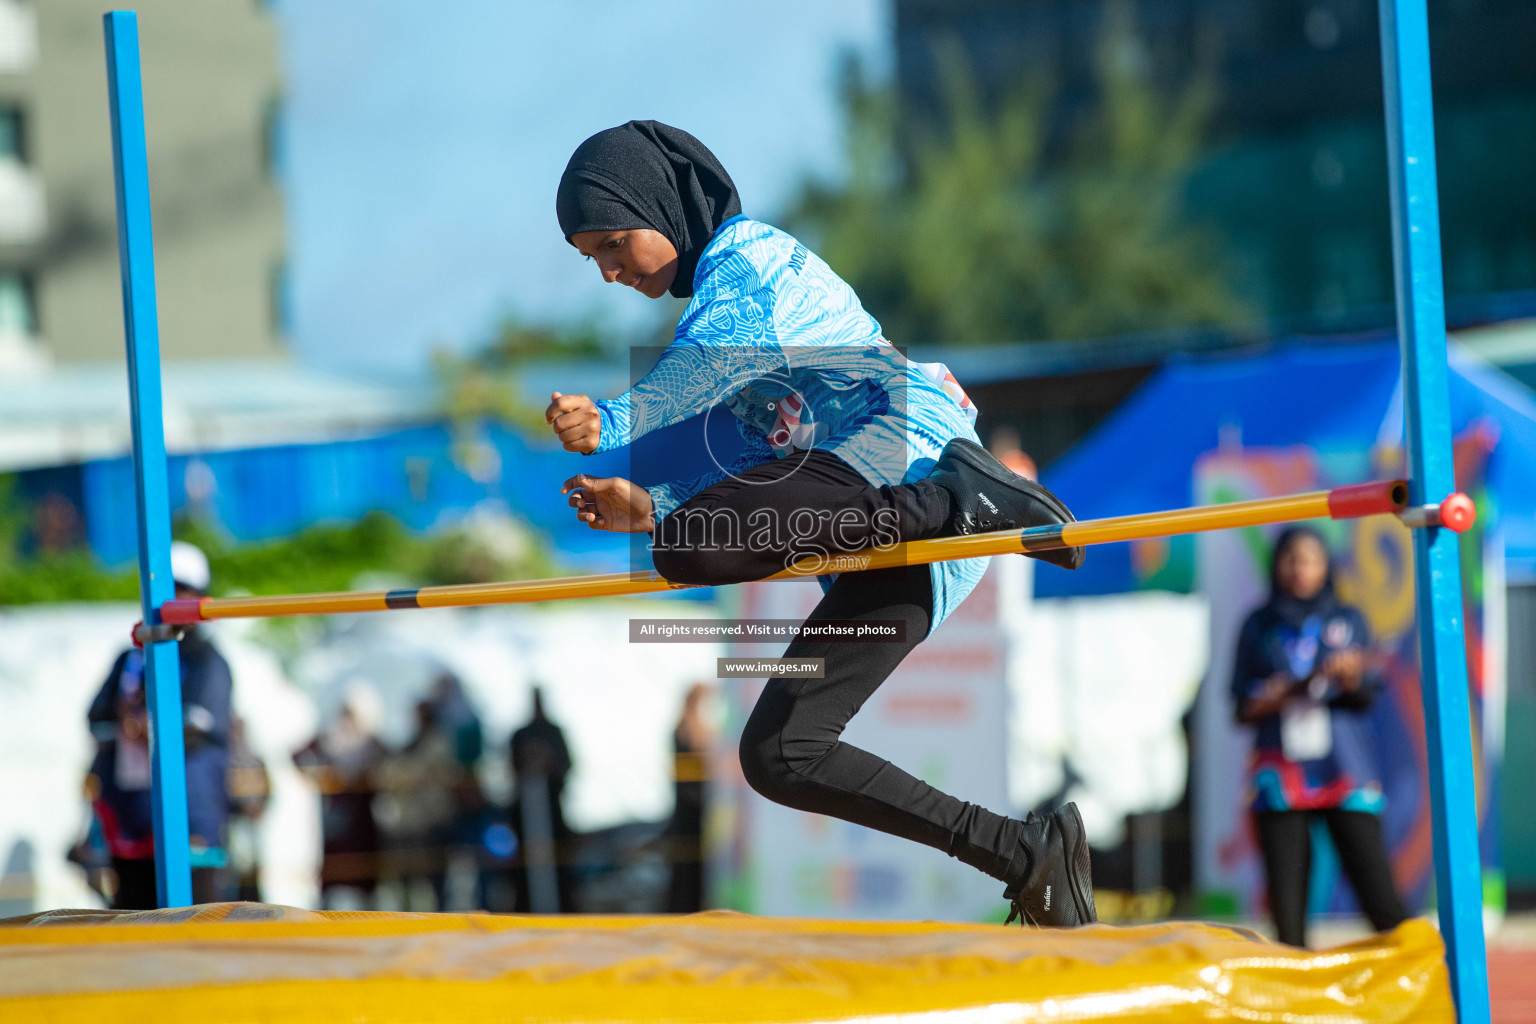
(989, 496)
(1054, 888)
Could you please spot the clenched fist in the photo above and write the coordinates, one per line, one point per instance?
(611, 503)
(575, 421)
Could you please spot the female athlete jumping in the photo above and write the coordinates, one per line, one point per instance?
(846, 446)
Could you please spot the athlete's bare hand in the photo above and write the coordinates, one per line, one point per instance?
(611, 503)
(575, 421)
(1270, 699)
(1347, 668)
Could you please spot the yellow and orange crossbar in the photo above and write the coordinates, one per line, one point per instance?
(1381, 498)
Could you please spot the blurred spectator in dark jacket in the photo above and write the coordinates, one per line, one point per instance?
(418, 789)
(685, 832)
(343, 761)
(120, 772)
(1303, 679)
(250, 789)
(458, 719)
(119, 784)
(541, 760)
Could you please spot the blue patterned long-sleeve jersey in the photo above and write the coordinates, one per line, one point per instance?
(783, 342)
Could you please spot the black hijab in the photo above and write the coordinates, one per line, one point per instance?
(1292, 610)
(646, 174)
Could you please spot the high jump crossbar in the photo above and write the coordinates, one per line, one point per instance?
(1415, 218)
(1455, 512)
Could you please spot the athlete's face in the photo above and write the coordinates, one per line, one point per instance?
(1302, 568)
(639, 257)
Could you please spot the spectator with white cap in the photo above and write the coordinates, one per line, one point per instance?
(120, 777)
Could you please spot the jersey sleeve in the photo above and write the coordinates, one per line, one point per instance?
(724, 342)
(102, 716)
(1250, 668)
(1372, 680)
(206, 692)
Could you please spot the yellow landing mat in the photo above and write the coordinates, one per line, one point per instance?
(250, 962)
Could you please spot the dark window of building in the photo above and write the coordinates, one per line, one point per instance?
(18, 311)
(13, 135)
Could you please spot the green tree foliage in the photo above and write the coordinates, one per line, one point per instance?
(483, 385)
(50, 575)
(326, 556)
(65, 576)
(965, 233)
(13, 519)
(332, 556)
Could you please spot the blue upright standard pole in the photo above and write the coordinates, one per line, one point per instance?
(1437, 567)
(136, 254)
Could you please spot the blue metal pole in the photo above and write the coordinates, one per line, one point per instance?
(136, 255)
(1437, 566)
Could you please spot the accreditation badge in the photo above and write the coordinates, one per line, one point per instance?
(1306, 734)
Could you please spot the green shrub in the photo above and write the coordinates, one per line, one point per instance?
(323, 557)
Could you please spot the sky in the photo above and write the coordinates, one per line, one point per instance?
(422, 144)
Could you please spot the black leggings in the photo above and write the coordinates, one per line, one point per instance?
(1285, 840)
(791, 751)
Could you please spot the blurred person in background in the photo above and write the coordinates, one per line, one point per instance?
(1007, 449)
(541, 761)
(460, 722)
(458, 719)
(685, 832)
(91, 853)
(119, 783)
(418, 787)
(250, 789)
(1304, 681)
(343, 761)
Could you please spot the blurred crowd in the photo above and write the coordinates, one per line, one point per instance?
(402, 827)
(412, 826)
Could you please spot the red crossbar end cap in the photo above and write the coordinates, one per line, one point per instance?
(1458, 512)
(182, 611)
(1367, 499)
